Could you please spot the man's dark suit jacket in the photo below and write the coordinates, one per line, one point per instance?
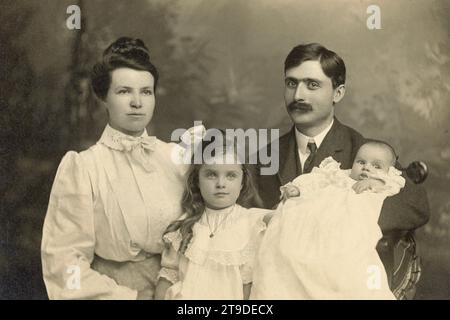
(405, 211)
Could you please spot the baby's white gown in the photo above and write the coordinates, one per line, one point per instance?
(322, 245)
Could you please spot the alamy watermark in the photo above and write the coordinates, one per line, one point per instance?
(249, 146)
(374, 277)
(73, 282)
(74, 20)
(374, 20)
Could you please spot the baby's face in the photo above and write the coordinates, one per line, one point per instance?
(370, 160)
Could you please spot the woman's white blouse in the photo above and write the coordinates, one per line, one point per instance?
(104, 200)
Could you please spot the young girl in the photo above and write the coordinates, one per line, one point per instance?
(321, 243)
(210, 250)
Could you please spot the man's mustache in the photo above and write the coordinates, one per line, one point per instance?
(295, 105)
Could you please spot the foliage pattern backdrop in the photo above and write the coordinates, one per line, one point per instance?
(221, 62)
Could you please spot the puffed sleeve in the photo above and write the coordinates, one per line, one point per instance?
(393, 181)
(68, 239)
(170, 257)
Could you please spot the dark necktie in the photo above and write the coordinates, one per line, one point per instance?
(307, 167)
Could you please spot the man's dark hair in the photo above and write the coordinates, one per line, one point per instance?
(332, 65)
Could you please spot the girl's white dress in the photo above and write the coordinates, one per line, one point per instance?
(214, 267)
(322, 245)
(108, 209)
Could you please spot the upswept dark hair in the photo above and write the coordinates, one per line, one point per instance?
(192, 202)
(125, 52)
(332, 64)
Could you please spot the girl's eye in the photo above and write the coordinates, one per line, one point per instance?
(147, 92)
(232, 175)
(211, 175)
(360, 161)
(123, 91)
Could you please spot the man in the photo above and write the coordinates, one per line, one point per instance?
(314, 85)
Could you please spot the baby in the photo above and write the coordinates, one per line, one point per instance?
(321, 242)
(372, 162)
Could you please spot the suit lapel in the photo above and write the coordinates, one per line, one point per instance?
(289, 159)
(333, 145)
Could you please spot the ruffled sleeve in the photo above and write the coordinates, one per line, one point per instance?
(170, 258)
(328, 173)
(393, 181)
(68, 239)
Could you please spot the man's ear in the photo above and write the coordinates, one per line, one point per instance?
(339, 93)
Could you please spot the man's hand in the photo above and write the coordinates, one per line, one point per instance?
(374, 185)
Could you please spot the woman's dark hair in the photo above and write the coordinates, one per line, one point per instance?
(193, 204)
(123, 53)
(332, 64)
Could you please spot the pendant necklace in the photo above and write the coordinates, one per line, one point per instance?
(218, 225)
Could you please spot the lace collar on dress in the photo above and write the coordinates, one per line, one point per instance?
(112, 138)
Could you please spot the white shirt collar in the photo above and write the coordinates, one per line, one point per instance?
(302, 140)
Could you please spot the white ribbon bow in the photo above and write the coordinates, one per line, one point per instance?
(137, 146)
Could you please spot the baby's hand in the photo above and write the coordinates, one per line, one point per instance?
(289, 191)
(374, 185)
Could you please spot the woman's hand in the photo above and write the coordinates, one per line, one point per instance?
(247, 289)
(146, 294)
(161, 288)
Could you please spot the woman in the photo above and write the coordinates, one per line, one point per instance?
(110, 204)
